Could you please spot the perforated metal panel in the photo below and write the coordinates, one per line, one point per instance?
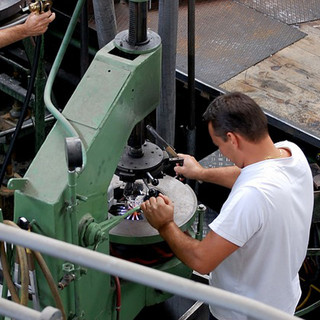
(216, 160)
(288, 11)
(230, 38)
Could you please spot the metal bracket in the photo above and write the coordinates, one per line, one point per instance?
(17, 183)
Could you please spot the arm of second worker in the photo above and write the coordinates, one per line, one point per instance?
(201, 256)
(35, 25)
(192, 169)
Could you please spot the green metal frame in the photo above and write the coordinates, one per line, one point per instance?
(113, 96)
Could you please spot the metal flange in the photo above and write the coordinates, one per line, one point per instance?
(121, 42)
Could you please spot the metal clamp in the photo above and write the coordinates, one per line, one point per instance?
(39, 6)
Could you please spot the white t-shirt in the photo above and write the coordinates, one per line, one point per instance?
(268, 215)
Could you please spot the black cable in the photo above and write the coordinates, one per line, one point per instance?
(24, 108)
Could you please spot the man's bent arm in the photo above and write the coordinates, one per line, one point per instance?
(11, 35)
(201, 256)
(223, 176)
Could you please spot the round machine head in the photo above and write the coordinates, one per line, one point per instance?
(131, 168)
(139, 231)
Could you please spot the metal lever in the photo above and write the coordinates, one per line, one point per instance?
(153, 180)
(164, 144)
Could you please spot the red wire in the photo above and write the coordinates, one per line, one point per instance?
(118, 300)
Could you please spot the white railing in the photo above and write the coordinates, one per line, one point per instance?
(19, 312)
(141, 274)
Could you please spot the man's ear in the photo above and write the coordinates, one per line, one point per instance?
(233, 138)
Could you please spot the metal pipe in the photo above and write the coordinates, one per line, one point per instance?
(167, 29)
(54, 70)
(141, 274)
(55, 67)
(137, 23)
(72, 211)
(19, 312)
(104, 15)
(84, 47)
(136, 140)
(191, 134)
(15, 65)
(39, 109)
(191, 62)
(26, 126)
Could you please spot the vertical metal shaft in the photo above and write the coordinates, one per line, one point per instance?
(138, 23)
(84, 48)
(39, 113)
(191, 132)
(72, 211)
(167, 29)
(191, 62)
(137, 35)
(104, 15)
(136, 140)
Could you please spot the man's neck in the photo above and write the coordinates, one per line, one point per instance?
(260, 151)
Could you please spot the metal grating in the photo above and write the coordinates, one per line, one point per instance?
(288, 11)
(216, 160)
(230, 38)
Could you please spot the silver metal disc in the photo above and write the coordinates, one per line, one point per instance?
(185, 204)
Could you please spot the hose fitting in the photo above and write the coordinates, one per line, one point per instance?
(39, 6)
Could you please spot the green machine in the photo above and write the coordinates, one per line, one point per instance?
(86, 189)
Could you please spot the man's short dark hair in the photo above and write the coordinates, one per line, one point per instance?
(238, 113)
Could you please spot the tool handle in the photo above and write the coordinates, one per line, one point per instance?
(163, 143)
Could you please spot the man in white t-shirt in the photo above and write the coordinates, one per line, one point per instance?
(257, 244)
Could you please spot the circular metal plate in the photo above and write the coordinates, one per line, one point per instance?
(9, 8)
(152, 158)
(137, 231)
(120, 41)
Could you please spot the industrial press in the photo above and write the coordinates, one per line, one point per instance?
(94, 169)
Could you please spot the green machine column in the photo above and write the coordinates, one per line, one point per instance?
(120, 88)
(117, 91)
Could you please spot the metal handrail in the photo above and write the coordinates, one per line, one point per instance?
(141, 274)
(20, 312)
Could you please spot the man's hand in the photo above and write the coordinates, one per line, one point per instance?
(158, 211)
(191, 168)
(37, 24)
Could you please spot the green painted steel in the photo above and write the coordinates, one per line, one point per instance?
(114, 95)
